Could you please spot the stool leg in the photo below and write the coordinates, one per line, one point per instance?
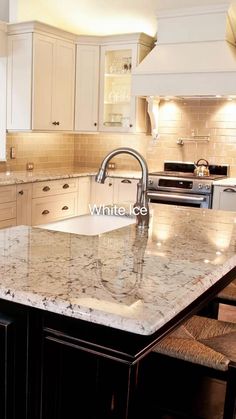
(230, 397)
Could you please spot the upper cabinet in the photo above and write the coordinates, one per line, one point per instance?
(118, 110)
(41, 78)
(87, 87)
(103, 91)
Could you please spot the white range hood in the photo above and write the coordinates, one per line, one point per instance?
(195, 54)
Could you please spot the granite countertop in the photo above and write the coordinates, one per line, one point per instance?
(18, 177)
(230, 181)
(120, 278)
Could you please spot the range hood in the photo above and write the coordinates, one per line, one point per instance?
(195, 54)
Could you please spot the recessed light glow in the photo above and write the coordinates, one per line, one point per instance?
(218, 96)
(218, 253)
(206, 261)
(159, 244)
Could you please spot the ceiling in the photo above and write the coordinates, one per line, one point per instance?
(100, 17)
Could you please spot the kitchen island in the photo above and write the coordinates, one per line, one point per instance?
(89, 308)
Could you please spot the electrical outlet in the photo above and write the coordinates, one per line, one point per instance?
(12, 153)
(30, 166)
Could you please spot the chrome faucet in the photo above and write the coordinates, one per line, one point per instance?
(141, 208)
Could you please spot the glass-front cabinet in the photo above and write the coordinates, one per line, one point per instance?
(119, 110)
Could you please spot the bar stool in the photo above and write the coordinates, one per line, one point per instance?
(210, 346)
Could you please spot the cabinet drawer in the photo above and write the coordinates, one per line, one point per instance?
(7, 211)
(7, 193)
(54, 187)
(53, 208)
(8, 223)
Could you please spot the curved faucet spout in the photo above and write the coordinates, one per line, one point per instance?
(141, 205)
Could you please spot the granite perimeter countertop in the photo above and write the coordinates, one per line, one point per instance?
(121, 279)
(18, 177)
(229, 181)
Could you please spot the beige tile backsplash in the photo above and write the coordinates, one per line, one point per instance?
(213, 118)
(43, 149)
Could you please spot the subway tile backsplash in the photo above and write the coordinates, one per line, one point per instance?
(189, 118)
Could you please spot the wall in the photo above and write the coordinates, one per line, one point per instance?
(44, 150)
(216, 118)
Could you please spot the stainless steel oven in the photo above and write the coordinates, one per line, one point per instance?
(183, 187)
(187, 200)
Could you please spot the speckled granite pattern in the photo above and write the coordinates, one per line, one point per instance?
(120, 279)
(230, 181)
(11, 178)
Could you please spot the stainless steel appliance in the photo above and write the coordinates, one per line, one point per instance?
(178, 185)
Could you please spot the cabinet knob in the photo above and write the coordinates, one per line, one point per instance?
(45, 212)
(55, 123)
(131, 125)
(21, 192)
(126, 181)
(66, 186)
(46, 189)
(65, 208)
(110, 184)
(95, 124)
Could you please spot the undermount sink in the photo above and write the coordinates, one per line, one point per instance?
(89, 225)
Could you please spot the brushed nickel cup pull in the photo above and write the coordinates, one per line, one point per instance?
(21, 192)
(45, 212)
(126, 181)
(65, 208)
(46, 189)
(66, 186)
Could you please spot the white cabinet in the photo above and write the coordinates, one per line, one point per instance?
(224, 198)
(87, 87)
(114, 191)
(54, 200)
(125, 191)
(118, 109)
(41, 79)
(3, 98)
(102, 193)
(7, 206)
(84, 195)
(23, 204)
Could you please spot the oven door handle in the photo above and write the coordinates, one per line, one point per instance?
(176, 197)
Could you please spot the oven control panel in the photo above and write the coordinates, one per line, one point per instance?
(175, 184)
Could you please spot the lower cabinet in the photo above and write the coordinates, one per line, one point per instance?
(125, 191)
(224, 198)
(84, 194)
(102, 193)
(13, 362)
(78, 378)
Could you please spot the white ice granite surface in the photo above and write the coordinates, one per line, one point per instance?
(120, 279)
(17, 177)
(230, 181)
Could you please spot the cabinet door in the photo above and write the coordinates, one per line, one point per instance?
(23, 204)
(102, 193)
(64, 84)
(119, 110)
(87, 79)
(43, 79)
(224, 198)
(84, 195)
(19, 85)
(79, 383)
(125, 191)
